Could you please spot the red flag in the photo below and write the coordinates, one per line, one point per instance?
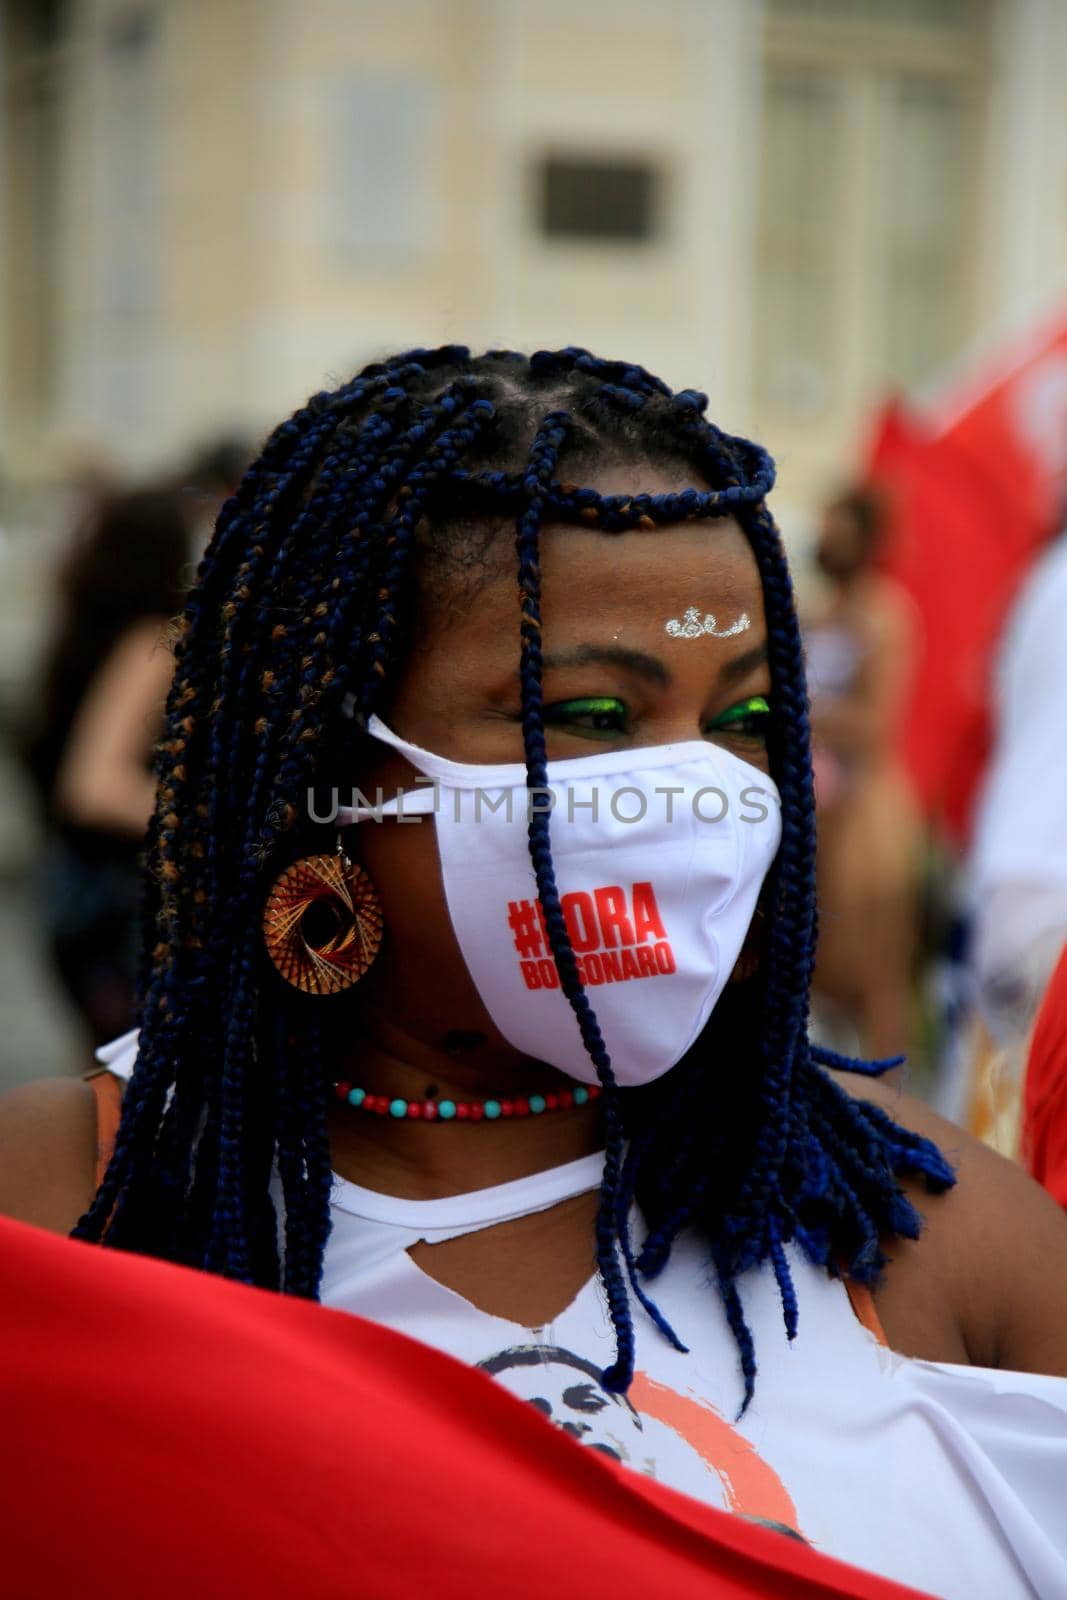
(168, 1434)
(895, 436)
(974, 490)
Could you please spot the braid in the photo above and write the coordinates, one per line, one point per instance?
(609, 1224)
(290, 640)
(303, 1159)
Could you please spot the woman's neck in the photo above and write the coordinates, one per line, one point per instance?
(418, 1160)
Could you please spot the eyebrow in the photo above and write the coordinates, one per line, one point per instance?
(612, 655)
(740, 666)
(650, 668)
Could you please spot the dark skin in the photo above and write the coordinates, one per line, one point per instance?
(987, 1284)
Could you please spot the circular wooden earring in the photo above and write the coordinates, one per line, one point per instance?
(322, 924)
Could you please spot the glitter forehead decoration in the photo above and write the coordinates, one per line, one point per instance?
(692, 626)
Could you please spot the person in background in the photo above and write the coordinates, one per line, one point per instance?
(212, 475)
(859, 652)
(96, 712)
(1018, 861)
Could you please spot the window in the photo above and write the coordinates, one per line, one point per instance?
(598, 199)
(801, 184)
(34, 85)
(925, 226)
(383, 144)
(868, 214)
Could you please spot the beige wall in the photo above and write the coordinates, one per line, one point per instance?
(208, 273)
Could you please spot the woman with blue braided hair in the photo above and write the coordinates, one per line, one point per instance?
(478, 942)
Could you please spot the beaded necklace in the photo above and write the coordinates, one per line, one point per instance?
(430, 1110)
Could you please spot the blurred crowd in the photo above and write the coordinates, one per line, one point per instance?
(93, 714)
(944, 953)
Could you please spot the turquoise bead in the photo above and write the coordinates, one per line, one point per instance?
(537, 1104)
(398, 1108)
(581, 1096)
(446, 1109)
(492, 1108)
(356, 1097)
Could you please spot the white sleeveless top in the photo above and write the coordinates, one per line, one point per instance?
(949, 1478)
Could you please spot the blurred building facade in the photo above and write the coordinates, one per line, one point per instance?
(215, 206)
(211, 208)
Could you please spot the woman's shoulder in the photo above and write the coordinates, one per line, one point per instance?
(48, 1152)
(990, 1265)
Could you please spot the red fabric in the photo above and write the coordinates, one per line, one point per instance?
(895, 435)
(974, 490)
(1045, 1092)
(169, 1434)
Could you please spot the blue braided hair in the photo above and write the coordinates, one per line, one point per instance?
(291, 639)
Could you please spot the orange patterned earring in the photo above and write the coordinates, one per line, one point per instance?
(322, 923)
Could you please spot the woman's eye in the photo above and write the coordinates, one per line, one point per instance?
(594, 717)
(748, 719)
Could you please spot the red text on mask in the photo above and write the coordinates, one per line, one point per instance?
(615, 934)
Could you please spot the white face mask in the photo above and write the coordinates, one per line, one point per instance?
(659, 858)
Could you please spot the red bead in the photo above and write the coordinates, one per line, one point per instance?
(380, 1103)
(414, 1109)
(463, 1111)
(566, 1098)
(476, 1112)
(507, 1108)
(341, 1090)
(429, 1110)
(522, 1108)
(551, 1102)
